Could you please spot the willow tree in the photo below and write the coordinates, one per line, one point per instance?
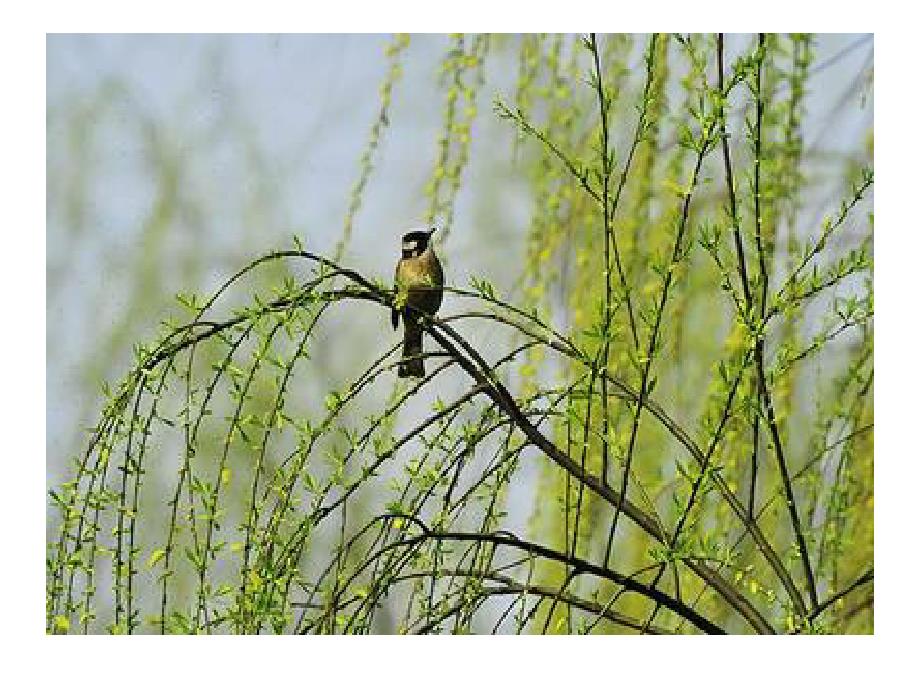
(664, 426)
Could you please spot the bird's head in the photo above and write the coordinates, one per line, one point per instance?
(415, 242)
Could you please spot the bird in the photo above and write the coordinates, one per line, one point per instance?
(419, 291)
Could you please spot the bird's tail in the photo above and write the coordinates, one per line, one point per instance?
(412, 363)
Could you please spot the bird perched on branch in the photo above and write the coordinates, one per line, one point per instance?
(419, 283)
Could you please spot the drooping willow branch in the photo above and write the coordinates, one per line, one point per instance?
(579, 566)
(282, 555)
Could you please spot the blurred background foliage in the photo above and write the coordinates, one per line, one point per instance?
(173, 161)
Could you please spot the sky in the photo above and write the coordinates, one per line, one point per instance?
(265, 133)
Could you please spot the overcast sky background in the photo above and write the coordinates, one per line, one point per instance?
(298, 110)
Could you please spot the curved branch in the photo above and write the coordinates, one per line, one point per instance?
(579, 565)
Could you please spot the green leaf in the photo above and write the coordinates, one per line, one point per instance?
(155, 557)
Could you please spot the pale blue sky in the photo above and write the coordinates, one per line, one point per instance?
(306, 104)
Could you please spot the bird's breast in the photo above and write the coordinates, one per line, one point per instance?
(421, 276)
